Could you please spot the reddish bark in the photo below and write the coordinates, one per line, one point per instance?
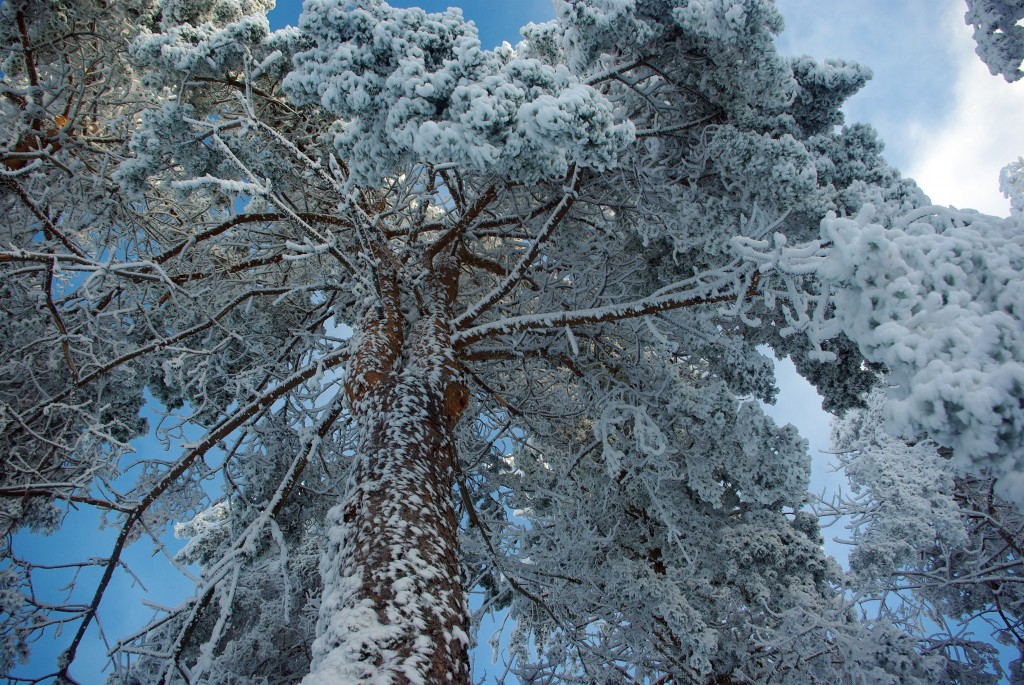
(402, 531)
(394, 538)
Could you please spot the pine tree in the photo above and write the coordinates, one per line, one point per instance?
(557, 262)
(936, 552)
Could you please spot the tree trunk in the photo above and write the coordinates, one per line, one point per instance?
(394, 609)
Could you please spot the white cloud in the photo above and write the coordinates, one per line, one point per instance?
(901, 43)
(945, 120)
(958, 162)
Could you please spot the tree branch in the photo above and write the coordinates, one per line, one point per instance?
(224, 428)
(579, 317)
(519, 270)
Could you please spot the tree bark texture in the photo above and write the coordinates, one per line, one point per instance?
(394, 608)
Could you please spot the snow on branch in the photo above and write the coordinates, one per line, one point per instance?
(786, 276)
(517, 272)
(999, 35)
(939, 299)
(731, 283)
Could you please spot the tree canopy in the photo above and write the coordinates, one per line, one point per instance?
(999, 35)
(447, 319)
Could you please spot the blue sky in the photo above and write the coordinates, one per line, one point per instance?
(497, 20)
(947, 122)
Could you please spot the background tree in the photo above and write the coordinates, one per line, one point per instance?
(537, 251)
(67, 407)
(933, 550)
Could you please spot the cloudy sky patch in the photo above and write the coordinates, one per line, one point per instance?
(946, 121)
(958, 162)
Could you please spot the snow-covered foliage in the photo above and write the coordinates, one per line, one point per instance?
(999, 35)
(938, 298)
(557, 260)
(935, 552)
(416, 88)
(934, 296)
(1011, 182)
(710, 583)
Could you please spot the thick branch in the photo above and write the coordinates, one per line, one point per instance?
(579, 317)
(516, 274)
(465, 220)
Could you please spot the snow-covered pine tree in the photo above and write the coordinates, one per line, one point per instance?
(557, 261)
(936, 552)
